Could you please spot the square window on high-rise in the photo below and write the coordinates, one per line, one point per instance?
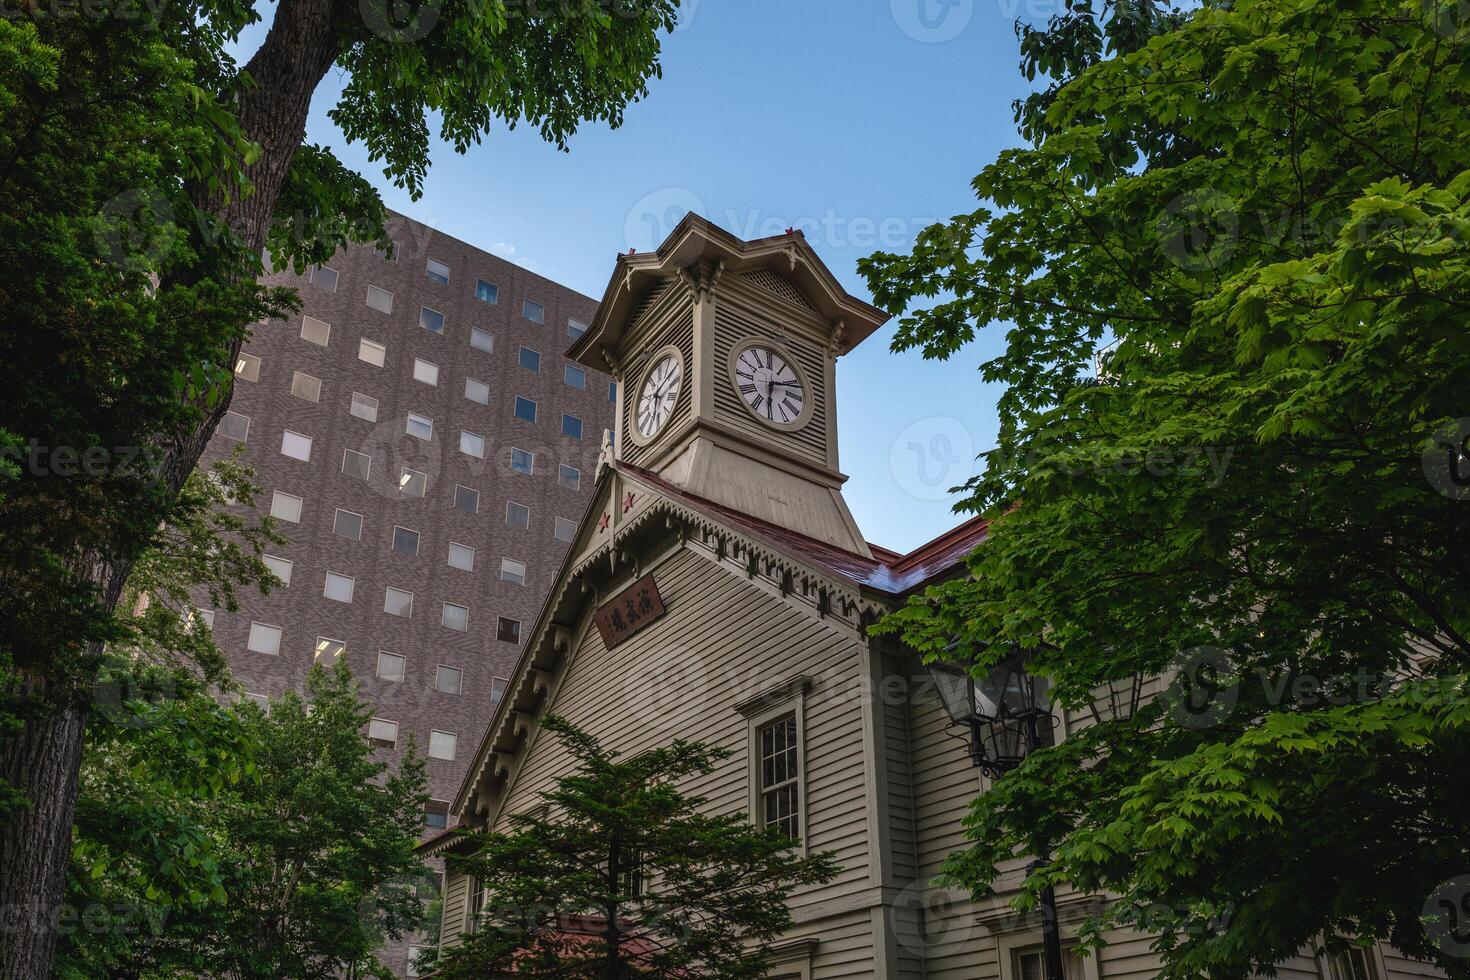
(576, 328)
(305, 387)
(522, 461)
(286, 507)
(297, 445)
(533, 311)
(380, 299)
(372, 352)
(525, 409)
(390, 666)
(498, 687)
(329, 651)
(406, 542)
(512, 571)
(566, 529)
(436, 271)
(348, 525)
(385, 253)
(482, 340)
(356, 464)
(569, 477)
(264, 639)
(315, 331)
(467, 500)
(324, 278)
(431, 320)
(455, 617)
(486, 292)
(448, 680)
(420, 426)
(508, 630)
(517, 515)
(247, 367)
(364, 407)
(412, 482)
(425, 371)
(383, 733)
(339, 587)
(397, 602)
(442, 745)
(574, 377)
(280, 568)
(477, 391)
(571, 426)
(259, 701)
(529, 359)
(461, 556)
(234, 426)
(472, 444)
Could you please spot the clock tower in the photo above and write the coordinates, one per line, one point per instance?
(724, 352)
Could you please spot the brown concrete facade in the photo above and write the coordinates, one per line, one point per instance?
(330, 479)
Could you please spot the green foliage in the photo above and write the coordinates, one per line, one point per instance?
(621, 874)
(1257, 215)
(225, 842)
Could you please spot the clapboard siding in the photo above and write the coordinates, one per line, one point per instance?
(723, 641)
(456, 899)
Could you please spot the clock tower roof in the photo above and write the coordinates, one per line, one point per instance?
(699, 251)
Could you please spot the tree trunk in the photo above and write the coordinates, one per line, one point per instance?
(43, 760)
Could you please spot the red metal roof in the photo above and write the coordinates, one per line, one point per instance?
(887, 571)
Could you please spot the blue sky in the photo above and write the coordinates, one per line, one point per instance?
(860, 120)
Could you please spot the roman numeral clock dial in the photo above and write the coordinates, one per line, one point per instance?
(659, 395)
(769, 385)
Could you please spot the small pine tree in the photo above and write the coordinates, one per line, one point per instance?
(622, 875)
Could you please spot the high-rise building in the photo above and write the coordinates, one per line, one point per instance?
(429, 452)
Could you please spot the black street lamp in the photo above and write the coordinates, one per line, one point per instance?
(1008, 718)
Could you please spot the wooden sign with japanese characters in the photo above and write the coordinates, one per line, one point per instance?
(630, 612)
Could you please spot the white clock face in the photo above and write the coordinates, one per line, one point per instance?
(660, 393)
(769, 385)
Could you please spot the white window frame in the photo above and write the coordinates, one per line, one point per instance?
(299, 376)
(561, 522)
(286, 578)
(385, 721)
(286, 434)
(380, 291)
(526, 507)
(454, 503)
(457, 670)
(529, 471)
(326, 331)
(475, 381)
(454, 744)
(786, 698)
(561, 469)
(311, 277)
(250, 634)
(418, 539)
(464, 547)
(443, 321)
(525, 571)
(354, 452)
(402, 667)
(434, 275)
(466, 436)
(422, 420)
(373, 347)
(247, 367)
(405, 469)
(482, 332)
(361, 523)
(281, 496)
(225, 435)
(1011, 945)
(425, 372)
(316, 651)
(351, 587)
(443, 614)
(364, 399)
(389, 588)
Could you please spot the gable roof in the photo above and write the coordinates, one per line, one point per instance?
(698, 246)
(884, 579)
(887, 572)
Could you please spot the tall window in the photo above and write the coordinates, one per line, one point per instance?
(780, 775)
(1030, 964)
(1355, 963)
